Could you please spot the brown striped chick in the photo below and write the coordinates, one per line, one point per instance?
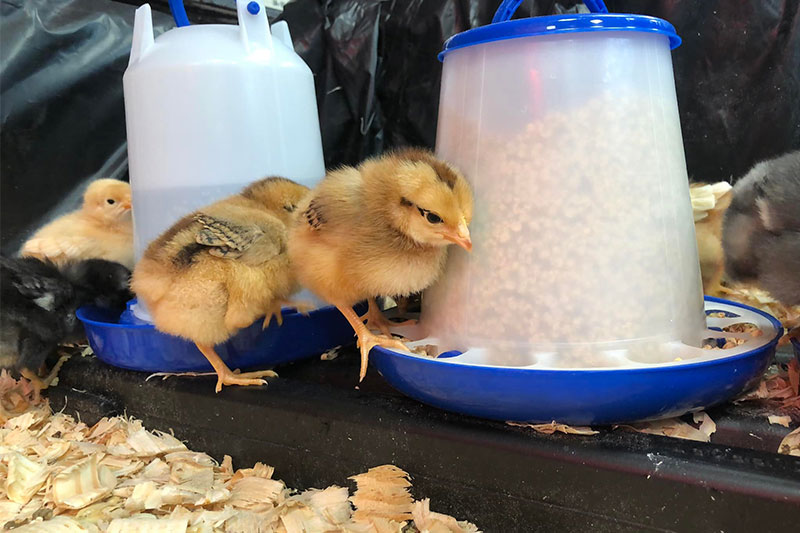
(101, 229)
(220, 269)
(380, 229)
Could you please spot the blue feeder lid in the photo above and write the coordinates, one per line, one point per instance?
(550, 25)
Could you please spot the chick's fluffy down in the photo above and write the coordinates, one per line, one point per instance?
(205, 297)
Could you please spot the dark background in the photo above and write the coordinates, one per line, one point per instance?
(377, 77)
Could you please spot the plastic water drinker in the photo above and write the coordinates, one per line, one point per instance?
(211, 108)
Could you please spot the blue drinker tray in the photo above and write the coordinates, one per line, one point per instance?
(139, 346)
(591, 395)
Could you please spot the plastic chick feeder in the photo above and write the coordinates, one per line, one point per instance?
(584, 273)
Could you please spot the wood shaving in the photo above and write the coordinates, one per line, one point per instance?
(780, 420)
(429, 522)
(382, 492)
(331, 354)
(777, 390)
(753, 296)
(705, 197)
(552, 427)
(707, 426)
(58, 475)
(793, 373)
(676, 428)
(790, 445)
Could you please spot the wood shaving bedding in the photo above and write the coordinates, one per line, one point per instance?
(790, 445)
(753, 296)
(552, 427)
(58, 475)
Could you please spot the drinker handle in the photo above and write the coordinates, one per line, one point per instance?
(508, 7)
(142, 33)
(253, 23)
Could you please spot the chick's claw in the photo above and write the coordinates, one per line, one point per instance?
(302, 307)
(278, 317)
(248, 378)
(230, 378)
(226, 376)
(368, 340)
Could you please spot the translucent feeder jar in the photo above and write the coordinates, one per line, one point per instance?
(584, 253)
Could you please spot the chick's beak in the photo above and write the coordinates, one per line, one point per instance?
(459, 236)
(125, 205)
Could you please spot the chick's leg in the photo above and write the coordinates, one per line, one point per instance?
(40, 384)
(714, 285)
(375, 319)
(225, 376)
(366, 339)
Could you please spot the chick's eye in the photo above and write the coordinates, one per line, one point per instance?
(290, 208)
(433, 218)
(110, 201)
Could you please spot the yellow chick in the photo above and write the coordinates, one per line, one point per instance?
(380, 229)
(101, 229)
(709, 203)
(220, 269)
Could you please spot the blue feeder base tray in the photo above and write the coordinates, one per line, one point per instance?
(135, 345)
(587, 396)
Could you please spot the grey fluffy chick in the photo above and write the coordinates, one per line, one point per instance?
(761, 233)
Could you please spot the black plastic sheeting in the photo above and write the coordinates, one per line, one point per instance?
(63, 118)
(377, 78)
(737, 72)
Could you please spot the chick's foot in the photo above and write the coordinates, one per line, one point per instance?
(368, 340)
(225, 376)
(40, 384)
(250, 378)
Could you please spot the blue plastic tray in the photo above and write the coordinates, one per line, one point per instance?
(579, 397)
(142, 347)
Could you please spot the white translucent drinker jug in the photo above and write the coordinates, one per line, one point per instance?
(584, 253)
(211, 108)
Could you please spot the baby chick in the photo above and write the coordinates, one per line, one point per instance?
(221, 268)
(709, 203)
(761, 234)
(380, 229)
(39, 304)
(101, 229)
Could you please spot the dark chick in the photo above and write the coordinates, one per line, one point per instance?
(761, 235)
(37, 310)
(99, 282)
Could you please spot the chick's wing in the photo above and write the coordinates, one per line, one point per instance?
(225, 238)
(231, 240)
